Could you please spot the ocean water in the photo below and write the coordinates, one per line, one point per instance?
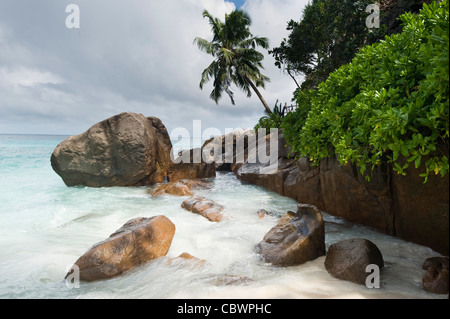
(45, 226)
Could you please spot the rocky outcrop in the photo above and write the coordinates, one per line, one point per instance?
(296, 239)
(125, 150)
(222, 150)
(436, 279)
(204, 207)
(264, 162)
(421, 211)
(180, 188)
(138, 241)
(191, 165)
(348, 259)
(397, 205)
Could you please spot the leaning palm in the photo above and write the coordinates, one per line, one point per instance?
(236, 60)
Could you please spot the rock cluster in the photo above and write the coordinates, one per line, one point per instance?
(130, 150)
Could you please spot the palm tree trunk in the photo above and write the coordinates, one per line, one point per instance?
(269, 111)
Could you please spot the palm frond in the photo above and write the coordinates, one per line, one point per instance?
(253, 42)
(209, 72)
(236, 59)
(206, 46)
(216, 25)
(228, 55)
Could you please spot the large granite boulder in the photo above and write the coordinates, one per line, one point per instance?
(348, 259)
(138, 241)
(204, 207)
(128, 149)
(296, 239)
(436, 279)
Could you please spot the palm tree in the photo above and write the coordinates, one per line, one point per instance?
(236, 60)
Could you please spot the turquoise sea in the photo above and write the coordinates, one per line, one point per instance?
(45, 226)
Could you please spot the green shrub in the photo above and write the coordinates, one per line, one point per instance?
(271, 120)
(294, 121)
(391, 100)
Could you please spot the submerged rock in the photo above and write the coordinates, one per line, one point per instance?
(138, 241)
(229, 280)
(262, 213)
(125, 150)
(186, 259)
(348, 259)
(204, 207)
(436, 279)
(296, 239)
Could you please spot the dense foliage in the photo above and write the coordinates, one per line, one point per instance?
(391, 103)
(328, 36)
(271, 120)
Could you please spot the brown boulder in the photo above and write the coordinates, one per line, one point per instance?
(204, 207)
(348, 259)
(128, 149)
(296, 239)
(180, 188)
(174, 188)
(436, 279)
(138, 241)
(190, 165)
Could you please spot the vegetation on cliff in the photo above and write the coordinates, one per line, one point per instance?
(331, 32)
(390, 103)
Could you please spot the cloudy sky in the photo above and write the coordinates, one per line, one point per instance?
(134, 55)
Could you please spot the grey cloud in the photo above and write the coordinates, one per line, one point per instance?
(131, 55)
